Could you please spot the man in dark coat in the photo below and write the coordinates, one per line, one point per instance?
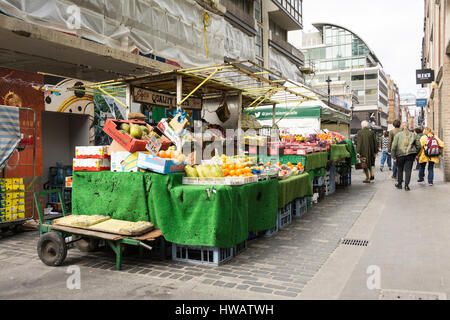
(367, 147)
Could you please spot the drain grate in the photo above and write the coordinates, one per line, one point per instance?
(355, 242)
(411, 295)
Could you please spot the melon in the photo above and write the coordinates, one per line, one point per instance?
(136, 131)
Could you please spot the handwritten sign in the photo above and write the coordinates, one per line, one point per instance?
(153, 146)
(164, 100)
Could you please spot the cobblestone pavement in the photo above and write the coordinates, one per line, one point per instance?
(274, 268)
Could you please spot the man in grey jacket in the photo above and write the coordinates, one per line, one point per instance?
(392, 135)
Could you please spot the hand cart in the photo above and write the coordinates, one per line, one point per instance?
(55, 240)
(27, 125)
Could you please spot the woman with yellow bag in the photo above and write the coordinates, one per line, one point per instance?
(429, 154)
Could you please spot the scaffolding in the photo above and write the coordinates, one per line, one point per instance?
(255, 86)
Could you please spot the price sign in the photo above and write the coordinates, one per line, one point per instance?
(153, 146)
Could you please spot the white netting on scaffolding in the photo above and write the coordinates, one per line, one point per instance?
(172, 29)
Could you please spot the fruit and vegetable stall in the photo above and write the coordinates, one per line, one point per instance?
(206, 208)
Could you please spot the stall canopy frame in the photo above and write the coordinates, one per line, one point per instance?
(256, 85)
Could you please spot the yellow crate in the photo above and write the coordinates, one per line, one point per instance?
(9, 196)
(21, 215)
(8, 203)
(13, 216)
(17, 202)
(11, 210)
(21, 208)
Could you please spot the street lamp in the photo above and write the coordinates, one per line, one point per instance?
(329, 89)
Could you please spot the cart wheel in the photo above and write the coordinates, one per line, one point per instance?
(87, 244)
(52, 249)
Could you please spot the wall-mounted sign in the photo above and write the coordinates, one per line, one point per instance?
(163, 100)
(421, 103)
(424, 76)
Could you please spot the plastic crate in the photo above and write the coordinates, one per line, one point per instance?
(344, 180)
(300, 207)
(309, 201)
(330, 180)
(239, 248)
(271, 232)
(330, 189)
(285, 216)
(319, 181)
(320, 191)
(201, 255)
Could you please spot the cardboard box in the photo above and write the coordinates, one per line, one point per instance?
(178, 126)
(123, 161)
(165, 128)
(91, 165)
(69, 182)
(93, 152)
(129, 143)
(159, 165)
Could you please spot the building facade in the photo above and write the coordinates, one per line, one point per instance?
(436, 56)
(408, 110)
(393, 101)
(269, 22)
(337, 53)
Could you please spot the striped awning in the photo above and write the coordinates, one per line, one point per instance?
(9, 133)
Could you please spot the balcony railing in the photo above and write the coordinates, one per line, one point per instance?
(240, 14)
(293, 53)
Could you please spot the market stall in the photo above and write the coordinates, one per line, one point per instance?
(179, 210)
(174, 174)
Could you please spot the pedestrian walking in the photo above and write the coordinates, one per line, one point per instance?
(385, 156)
(430, 151)
(405, 148)
(367, 147)
(392, 135)
(419, 135)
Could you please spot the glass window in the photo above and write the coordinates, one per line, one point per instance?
(258, 11)
(347, 51)
(348, 39)
(371, 76)
(358, 77)
(348, 64)
(259, 41)
(371, 91)
(329, 52)
(322, 53)
(335, 51)
(362, 62)
(334, 40)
